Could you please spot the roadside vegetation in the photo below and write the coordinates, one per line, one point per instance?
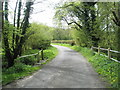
(107, 69)
(89, 24)
(26, 66)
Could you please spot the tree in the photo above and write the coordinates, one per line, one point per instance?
(116, 20)
(39, 36)
(61, 34)
(82, 16)
(1, 18)
(19, 33)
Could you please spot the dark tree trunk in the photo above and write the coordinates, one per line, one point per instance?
(93, 19)
(24, 27)
(18, 21)
(6, 11)
(12, 53)
(8, 52)
(13, 40)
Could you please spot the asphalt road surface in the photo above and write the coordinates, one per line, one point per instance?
(68, 70)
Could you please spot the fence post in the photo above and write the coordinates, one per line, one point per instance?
(92, 48)
(108, 53)
(38, 57)
(98, 49)
(42, 56)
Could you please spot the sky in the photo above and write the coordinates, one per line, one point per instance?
(43, 11)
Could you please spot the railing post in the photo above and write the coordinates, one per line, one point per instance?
(92, 48)
(108, 53)
(38, 57)
(98, 49)
(42, 56)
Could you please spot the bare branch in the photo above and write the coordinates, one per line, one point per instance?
(72, 23)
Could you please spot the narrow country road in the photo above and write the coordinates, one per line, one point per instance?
(68, 70)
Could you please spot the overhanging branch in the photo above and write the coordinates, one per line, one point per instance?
(72, 23)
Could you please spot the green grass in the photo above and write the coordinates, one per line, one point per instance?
(107, 69)
(49, 54)
(8, 77)
(20, 70)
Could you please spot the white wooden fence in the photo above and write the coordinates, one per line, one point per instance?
(108, 52)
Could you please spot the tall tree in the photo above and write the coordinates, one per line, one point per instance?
(82, 15)
(20, 37)
(116, 20)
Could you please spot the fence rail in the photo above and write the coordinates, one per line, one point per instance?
(108, 50)
(36, 54)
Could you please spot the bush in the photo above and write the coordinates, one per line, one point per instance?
(44, 44)
(19, 67)
(30, 51)
(30, 60)
(71, 42)
(20, 70)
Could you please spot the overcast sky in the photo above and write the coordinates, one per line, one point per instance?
(47, 8)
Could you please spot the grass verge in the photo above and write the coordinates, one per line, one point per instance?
(107, 69)
(20, 70)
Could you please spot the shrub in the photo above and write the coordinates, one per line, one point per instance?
(18, 67)
(41, 45)
(30, 60)
(71, 42)
(30, 51)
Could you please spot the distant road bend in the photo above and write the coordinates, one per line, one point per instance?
(68, 70)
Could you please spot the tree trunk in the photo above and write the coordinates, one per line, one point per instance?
(6, 11)
(18, 21)
(24, 27)
(13, 39)
(8, 52)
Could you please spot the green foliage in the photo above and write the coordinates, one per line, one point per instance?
(61, 34)
(7, 33)
(14, 35)
(39, 36)
(20, 70)
(80, 38)
(106, 27)
(50, 53)
(91, 23)
(17, 68)
(10, 75)
(31, 60)
(71, 42)
(30, 51)
(107, 68)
